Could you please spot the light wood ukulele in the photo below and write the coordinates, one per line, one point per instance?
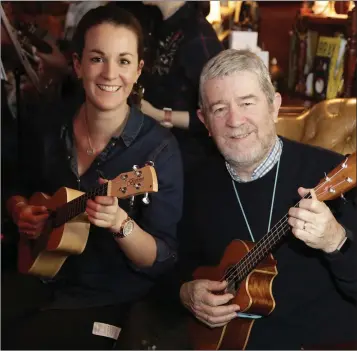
(67, 228)
(249, 268)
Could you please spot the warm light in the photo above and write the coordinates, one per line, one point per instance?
(215, 12)
(232, 4)
(320, 7)
(326, 9)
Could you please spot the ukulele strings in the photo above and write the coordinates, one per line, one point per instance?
(69, 209)
(281, 226)
(234, 271)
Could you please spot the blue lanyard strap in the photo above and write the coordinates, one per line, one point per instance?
(271, 207)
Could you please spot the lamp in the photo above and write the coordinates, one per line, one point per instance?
(327, 9)
(215, 12)
(320, 7)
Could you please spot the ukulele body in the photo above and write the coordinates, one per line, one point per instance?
(254, 296)
(45, 255)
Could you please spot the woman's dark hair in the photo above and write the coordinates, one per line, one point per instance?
(106, 14)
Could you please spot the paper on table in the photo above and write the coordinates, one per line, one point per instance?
(243, 40)
(264, 55)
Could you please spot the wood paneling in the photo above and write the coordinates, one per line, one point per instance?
(276, 20)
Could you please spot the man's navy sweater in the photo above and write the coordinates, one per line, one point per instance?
(315, 293)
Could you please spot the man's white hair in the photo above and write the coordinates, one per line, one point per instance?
(232, 61)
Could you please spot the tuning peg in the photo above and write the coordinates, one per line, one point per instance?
(150, 163)
(146, 199)
(136, 170)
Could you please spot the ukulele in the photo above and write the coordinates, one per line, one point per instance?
(22, 43)
(66, 229)
(249, 269)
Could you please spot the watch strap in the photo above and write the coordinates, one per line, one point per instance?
(167, 121)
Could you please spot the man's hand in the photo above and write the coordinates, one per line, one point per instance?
(313, 223)
(198, 297)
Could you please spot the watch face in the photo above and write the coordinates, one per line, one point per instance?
(128, 227)
(167, 124)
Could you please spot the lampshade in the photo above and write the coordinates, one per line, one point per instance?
(215, 12)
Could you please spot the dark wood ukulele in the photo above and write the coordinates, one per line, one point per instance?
(249, 268)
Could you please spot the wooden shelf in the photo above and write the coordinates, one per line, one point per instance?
(327, 26)
(336, 21)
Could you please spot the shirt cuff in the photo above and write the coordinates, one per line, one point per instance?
(164, 252)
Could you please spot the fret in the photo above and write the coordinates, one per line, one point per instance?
(260, 251)
(78, 205)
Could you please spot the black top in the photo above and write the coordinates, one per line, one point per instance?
(185, 42)
(315, 293)
(102, 274)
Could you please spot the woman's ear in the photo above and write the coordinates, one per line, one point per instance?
(77, 65)
(140, 67)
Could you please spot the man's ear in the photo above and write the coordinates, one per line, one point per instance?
(203, 119)
(77, 65)
(277, 104)
(201, 116)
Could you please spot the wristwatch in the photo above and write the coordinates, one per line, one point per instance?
(167, 121)
(125, 229)
(345, 245)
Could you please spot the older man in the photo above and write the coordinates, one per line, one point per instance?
(244, 191)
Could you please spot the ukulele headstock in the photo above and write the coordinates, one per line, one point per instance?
(340, 180)
(139, 181)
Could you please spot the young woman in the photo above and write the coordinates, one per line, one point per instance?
(81, 142)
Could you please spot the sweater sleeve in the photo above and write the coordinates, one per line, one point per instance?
(343, 264)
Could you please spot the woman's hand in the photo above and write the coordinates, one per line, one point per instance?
(151, 111)
(29, 219)
(105, 212)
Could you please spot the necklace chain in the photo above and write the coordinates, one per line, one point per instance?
(90, 150)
